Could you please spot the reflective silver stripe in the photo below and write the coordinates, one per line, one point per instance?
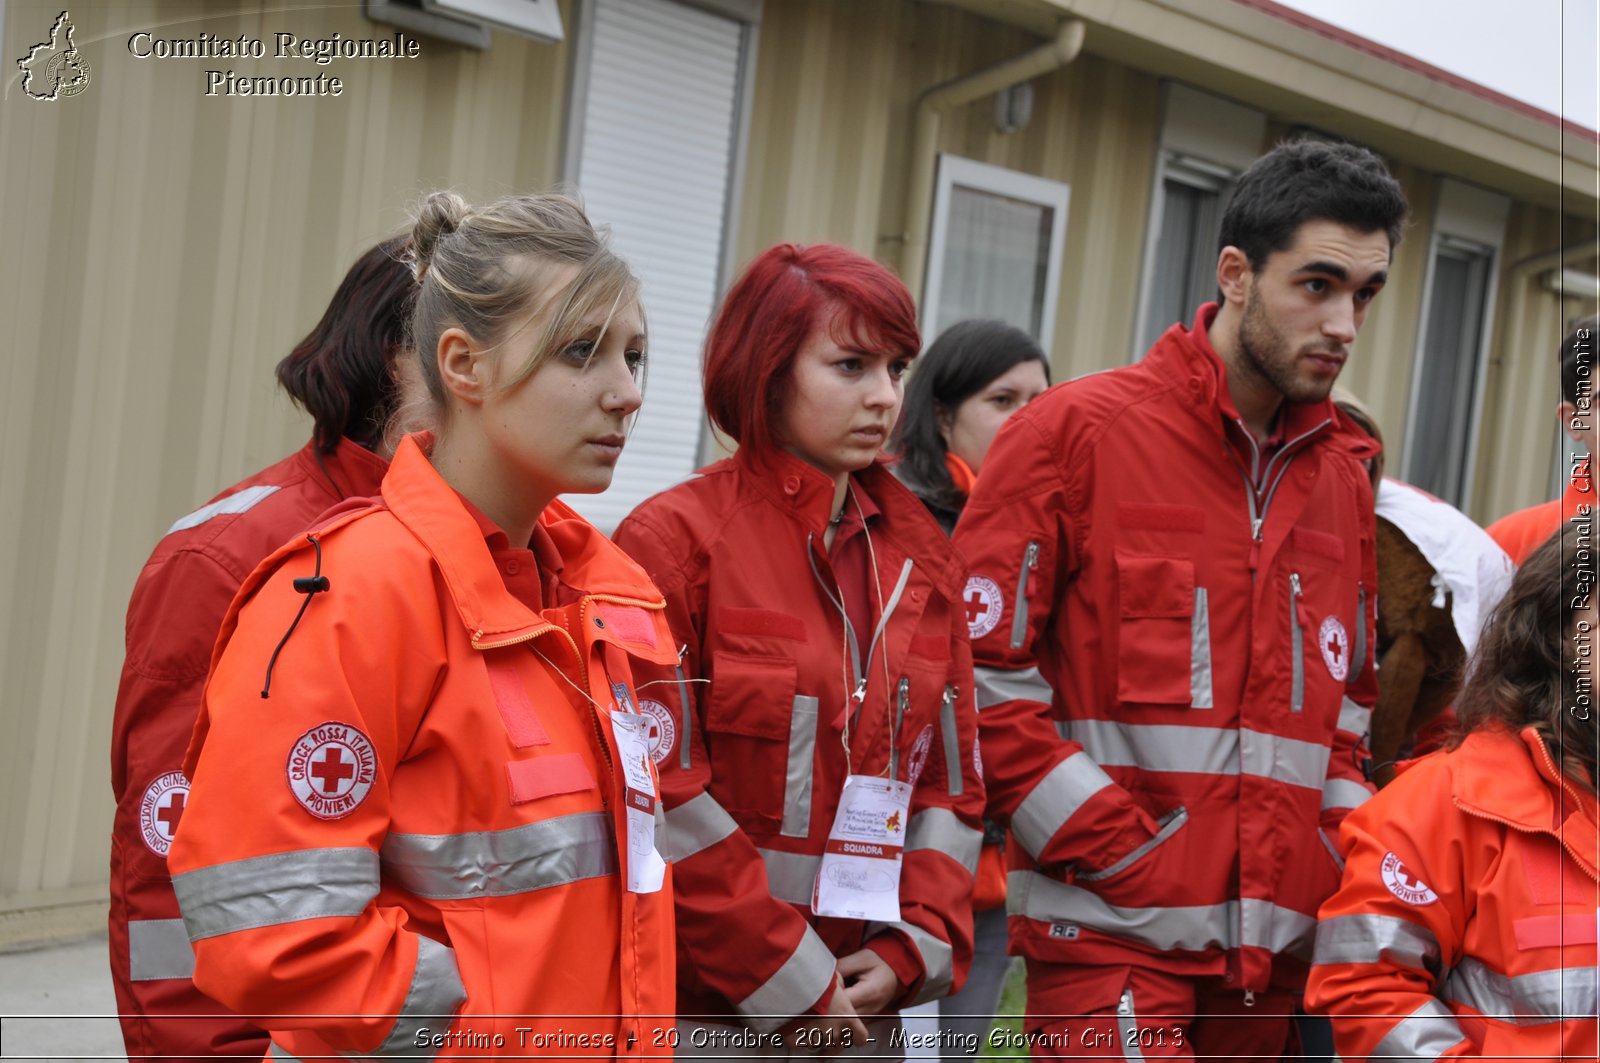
(502, 863)
(1171, 823)
(279, 1053)
(797, 780)
(1377, 939)
(1128, 1026)
(1344, 793)
(1269, 926)
(1353, 718)
(1285, 760)
(1055, 799)
(953, 761)
(794, 987)
(1039, 897)
(435, 994)
(1200, 652)
(276, 889)
(157, 949)
(686, 721)
(697, 824)
(1158, 747)
(238, 502)
(1257, 923)
(1061, 729)
(937, 959)
(940, 830)
(1427, 1033)
(791, 877)
(996, 685)
(1527, 999)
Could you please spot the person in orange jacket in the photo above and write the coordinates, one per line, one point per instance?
(1519, 533)
(422, 814)
(341, 374)
(822, 790)
(963, 388)
(1465, 924)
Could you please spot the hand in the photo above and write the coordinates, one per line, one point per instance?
(836, 1029)
(869, 982)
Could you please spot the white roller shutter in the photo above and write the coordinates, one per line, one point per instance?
(657, 154)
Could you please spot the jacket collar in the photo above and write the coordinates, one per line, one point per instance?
(351, 471)
(1523, 787)
(1185, 358)
(432, 511)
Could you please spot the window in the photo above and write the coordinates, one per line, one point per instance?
(659, 106)
(1447, 384)
(995, 249)
(1182, 272)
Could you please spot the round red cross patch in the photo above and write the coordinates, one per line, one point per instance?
(1404, 883)
(983, 605)
(331, 769)
(1335, 646)
(919, 755)
(159, 810)
(661, 732)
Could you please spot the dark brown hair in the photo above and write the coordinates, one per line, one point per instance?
(340, 373)
(1535, 661)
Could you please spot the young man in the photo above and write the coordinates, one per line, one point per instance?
(1520, 533)
(1172, 608)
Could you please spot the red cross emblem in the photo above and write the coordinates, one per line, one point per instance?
(1335, 645)
(331, 769)
(1405, 883)
(983, 605)
(160, 809)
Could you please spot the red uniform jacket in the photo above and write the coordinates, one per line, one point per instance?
(753, 768)
(1466, 922)
(177, 606)
(417, 844)
(1173, 640)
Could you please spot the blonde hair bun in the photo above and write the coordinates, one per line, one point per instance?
(440, 215)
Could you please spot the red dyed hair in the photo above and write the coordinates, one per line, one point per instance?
(770, 312)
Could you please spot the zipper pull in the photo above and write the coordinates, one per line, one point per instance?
(859, 694)
(1249, 998)
(1294, 583)
(1255, 544)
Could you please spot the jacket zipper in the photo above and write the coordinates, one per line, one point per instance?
(902, 701)
(1297, 696)
(1258, 512)
(688, 716)
(953, 777)
(1358, 659)
(1019, 620)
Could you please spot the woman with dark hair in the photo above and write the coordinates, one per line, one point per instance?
(822, 794)
(341, 375)
(973, 377)
(964, 387)
(1465, 924)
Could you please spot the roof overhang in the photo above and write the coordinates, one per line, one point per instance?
(1304, 72)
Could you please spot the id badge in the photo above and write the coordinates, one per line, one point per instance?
(860, 873)
(646, 869)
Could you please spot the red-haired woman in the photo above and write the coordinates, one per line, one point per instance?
(1465, 925)
(823, 799)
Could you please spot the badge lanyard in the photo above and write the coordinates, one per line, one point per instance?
(630, 729)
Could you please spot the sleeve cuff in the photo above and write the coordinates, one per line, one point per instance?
(903, 959)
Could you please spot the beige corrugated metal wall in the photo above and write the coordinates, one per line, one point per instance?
(169, 248)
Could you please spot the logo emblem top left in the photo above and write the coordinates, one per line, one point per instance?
(55, 69)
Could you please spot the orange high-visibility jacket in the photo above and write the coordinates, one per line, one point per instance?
(1466, 922)
(415, 845)
(177, 605)
(1521, 533)
(1172, 634)
(751, 760)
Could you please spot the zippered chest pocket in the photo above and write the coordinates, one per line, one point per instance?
(1161, 658)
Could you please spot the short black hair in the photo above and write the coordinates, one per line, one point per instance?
(1577, 360)
(1310, 180)
(966, 358)
(340, 373)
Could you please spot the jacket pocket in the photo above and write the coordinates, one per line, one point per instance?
(1156, 605)
(1167, 826)
(748, 722)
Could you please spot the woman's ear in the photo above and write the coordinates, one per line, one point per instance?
(462, 367)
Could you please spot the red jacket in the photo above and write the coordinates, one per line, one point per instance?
(1521, 533)
(412, 846)
(177, 606)
(1466, 922)
(752, 764)
(1174, 669)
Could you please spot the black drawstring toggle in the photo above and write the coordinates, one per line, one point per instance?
(309, 586)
